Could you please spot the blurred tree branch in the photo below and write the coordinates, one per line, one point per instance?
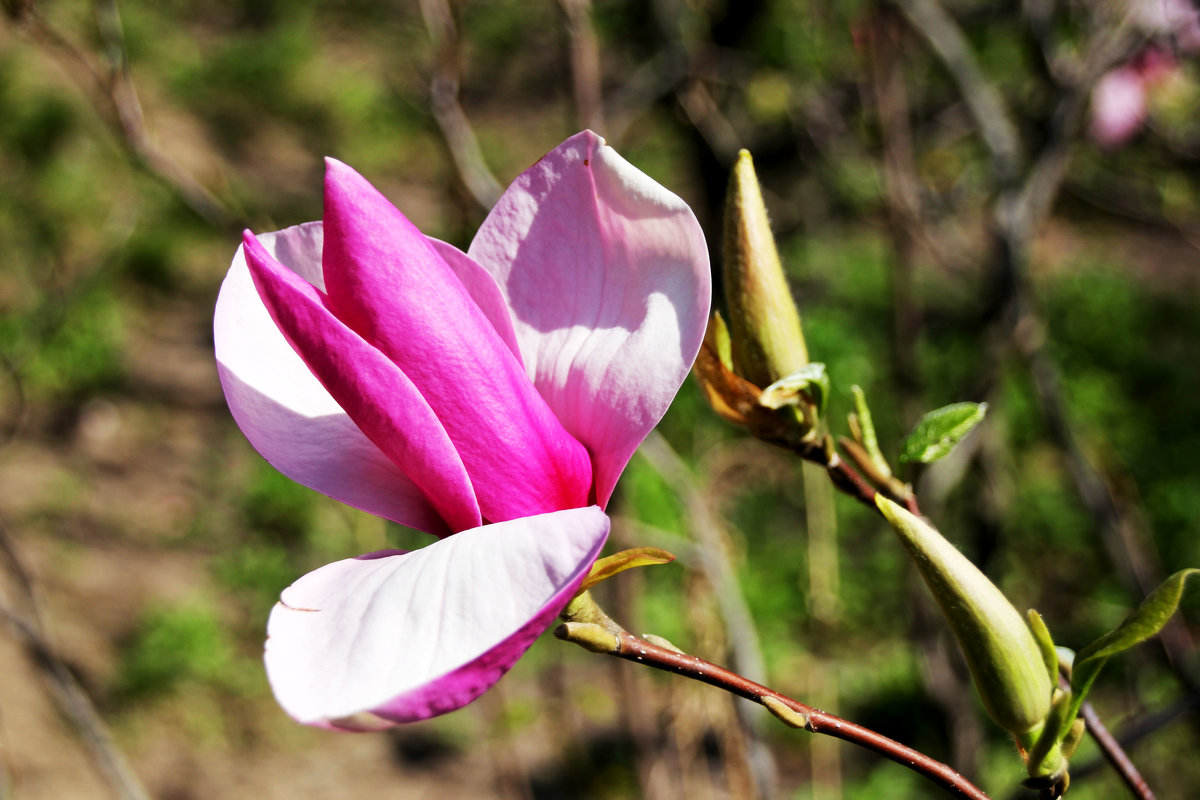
(587, 82)
(931, 20)
(600, 634)
(70, 697)
(460, 139)
(1026, 192)
(713, 561)
(1114, 754)
(114, 97)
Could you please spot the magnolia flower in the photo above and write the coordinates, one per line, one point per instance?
(491, 398)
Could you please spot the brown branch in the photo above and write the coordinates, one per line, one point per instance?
(448, 112)
(114, 97)
(73, 702)
(704, 113)
(586, 74)
(1115, 754)
(625, 645)
(711, 556)
(1133, 732)
(20, 402)
(983, 99)
(846, 478)
(645, 85)
(712, 562)
(77, 707)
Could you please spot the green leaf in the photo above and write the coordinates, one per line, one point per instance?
(1145, 621)
(866, 428)
(722, 342)
(810, 383)
(1042, 634)
(936, 433)
(608, 566)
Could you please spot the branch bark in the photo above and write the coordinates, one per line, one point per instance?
(1115, 754)
(793, 713)
(448, 112)
(114, 96)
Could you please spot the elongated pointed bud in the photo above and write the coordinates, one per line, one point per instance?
(763, 321)
(1002, 654)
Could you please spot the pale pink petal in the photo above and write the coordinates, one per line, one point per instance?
(285, 412)
(406, 637)
(607, 277)
(482, 287)
(375, 394)
(1118, 107)
(385, 281)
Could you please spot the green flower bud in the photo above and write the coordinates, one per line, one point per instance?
(763, 321)
(1002, 654)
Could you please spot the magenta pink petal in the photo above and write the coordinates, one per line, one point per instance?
(406, 637)
(607, 277)
(482, 287)
(285, 412)
(376, 395)
(386, 282)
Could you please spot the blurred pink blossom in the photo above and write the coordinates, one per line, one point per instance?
(491, 398)
(1120, 99)
(1178, 19)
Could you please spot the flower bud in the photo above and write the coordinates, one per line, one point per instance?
(1001, 652)
(763, 321)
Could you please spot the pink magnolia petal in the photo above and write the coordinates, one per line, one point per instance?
(482, 287)
(375, 394)
(385, 281)
(407, 637)
(607, 276)
(285, 412)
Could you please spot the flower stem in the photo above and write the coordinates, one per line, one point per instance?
(792, 712)
(1115, 754)
(847, 479)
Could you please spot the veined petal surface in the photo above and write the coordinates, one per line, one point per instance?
(404, 637)
(386, 281)
(607, 277)
(283, 409)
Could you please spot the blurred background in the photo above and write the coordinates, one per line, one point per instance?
(974, 201)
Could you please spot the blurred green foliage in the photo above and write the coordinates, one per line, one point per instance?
(176, 646)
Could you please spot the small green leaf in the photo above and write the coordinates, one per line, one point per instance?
(1145, 621)
(809, 383)
(1083, 675)
(1042, 634)
(608, 566)
(866, 428)
(720, 335)
(936, 433)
